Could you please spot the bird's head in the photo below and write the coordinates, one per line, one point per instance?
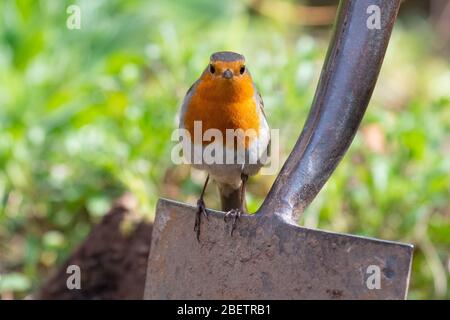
(227, 77)
(227, 66)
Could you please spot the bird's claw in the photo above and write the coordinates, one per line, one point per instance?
(235, 215)
(201, 209)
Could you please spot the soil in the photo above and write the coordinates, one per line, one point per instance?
(113, 263)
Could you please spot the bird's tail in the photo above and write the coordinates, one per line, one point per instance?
(230, 198)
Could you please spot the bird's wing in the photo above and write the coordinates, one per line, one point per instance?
(185, 103)
(260, 102)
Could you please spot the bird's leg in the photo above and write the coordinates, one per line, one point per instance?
(236, 213)
(201, 209)
(244, 179)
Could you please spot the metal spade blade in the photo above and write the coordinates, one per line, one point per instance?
(268, 258)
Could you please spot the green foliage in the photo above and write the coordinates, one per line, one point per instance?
(86, 115)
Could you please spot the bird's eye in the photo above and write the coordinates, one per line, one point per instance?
(242, 70)
(211, 68)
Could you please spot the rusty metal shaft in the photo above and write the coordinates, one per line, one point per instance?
(346, 84)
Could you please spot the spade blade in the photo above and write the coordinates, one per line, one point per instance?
(268, 258)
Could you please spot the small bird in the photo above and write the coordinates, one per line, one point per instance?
(225, 98)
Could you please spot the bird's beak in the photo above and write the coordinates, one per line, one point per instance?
(227, 74)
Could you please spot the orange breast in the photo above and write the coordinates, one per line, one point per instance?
(222, 104)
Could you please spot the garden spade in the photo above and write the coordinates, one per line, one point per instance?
(269, 256)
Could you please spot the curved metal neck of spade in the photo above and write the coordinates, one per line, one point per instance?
(355, 55)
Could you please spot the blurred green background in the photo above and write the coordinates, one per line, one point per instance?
(86, 115)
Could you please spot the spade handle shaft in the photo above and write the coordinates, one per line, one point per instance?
(355, 55)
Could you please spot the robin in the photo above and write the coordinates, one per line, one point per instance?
(226, 100)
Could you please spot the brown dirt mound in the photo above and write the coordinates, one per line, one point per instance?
(112, 262)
